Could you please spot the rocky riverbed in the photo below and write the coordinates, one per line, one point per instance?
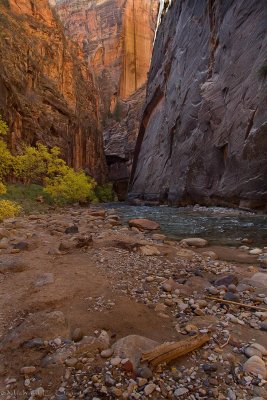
(83, 296)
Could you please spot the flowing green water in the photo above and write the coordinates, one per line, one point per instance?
(218, 225)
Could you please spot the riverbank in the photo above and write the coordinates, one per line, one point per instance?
(77, 281)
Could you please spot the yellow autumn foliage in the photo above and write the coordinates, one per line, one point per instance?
(8, 209)
(43, 166)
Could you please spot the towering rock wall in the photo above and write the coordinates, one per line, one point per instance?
(203, 137)
(117, 38)
(47, 92)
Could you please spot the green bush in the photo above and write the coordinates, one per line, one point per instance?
(8, 209)
(70, 187)
(43, 166)
(105, 193)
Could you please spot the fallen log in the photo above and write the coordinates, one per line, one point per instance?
(168, 352)
(235, 303)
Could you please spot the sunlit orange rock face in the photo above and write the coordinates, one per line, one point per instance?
(117, 37)
(47, 91)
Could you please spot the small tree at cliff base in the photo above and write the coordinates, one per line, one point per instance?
(44, 166)
(70, 186)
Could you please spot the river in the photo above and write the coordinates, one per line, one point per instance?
(220, 226)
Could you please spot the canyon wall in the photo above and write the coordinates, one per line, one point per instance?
(47, 92)
(116, 37)
(203, 136)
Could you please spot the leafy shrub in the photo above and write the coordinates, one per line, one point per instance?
(8, 209)
(44, 166)
(105, 193)
(3, 127)
(37, 163)
(70, 187)
(2, 188)
(6, 158)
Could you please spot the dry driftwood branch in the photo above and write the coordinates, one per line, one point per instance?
(167, 352)
(235, 303)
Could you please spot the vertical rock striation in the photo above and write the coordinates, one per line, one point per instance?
(47, 92)
(117, 38)
(203, 137)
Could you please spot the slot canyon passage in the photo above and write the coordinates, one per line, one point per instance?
(133, 199)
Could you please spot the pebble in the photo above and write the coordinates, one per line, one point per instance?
(191, 328)
(227, 280)
(168, 302)
(230, 296)
(109, 380)
(250, 351)
(255, 349)
(180, 392)
(255, 251)
(149, 388)
(263, 325)
(27, 370)
(212, 290)
(209, 368)
(57, 341)
(27, 382)
(106, 353)
(115, 361)
(71, 230)
(39, 393)
(71, 362)
(231, 394)
(160, 307)
(144, 372)
(166, 287)
(21, 246)
(141, 381)
(77, 335)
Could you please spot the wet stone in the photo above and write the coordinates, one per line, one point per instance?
(72, 230)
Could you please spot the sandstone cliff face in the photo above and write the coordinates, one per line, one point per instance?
(117, 38)
(47, 93)
(203, 137)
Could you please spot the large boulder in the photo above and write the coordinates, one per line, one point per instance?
(255, 365)
(132, 347)
(197, 242)
(144, 224)
(259, 279)
(149, 250)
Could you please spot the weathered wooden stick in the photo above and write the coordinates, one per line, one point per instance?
(167, 352)
(235, 303)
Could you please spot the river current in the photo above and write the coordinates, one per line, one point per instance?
(220, 226)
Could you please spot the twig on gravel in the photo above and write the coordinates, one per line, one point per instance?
(235, 303)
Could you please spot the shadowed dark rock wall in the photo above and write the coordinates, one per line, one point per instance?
(203, 137)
